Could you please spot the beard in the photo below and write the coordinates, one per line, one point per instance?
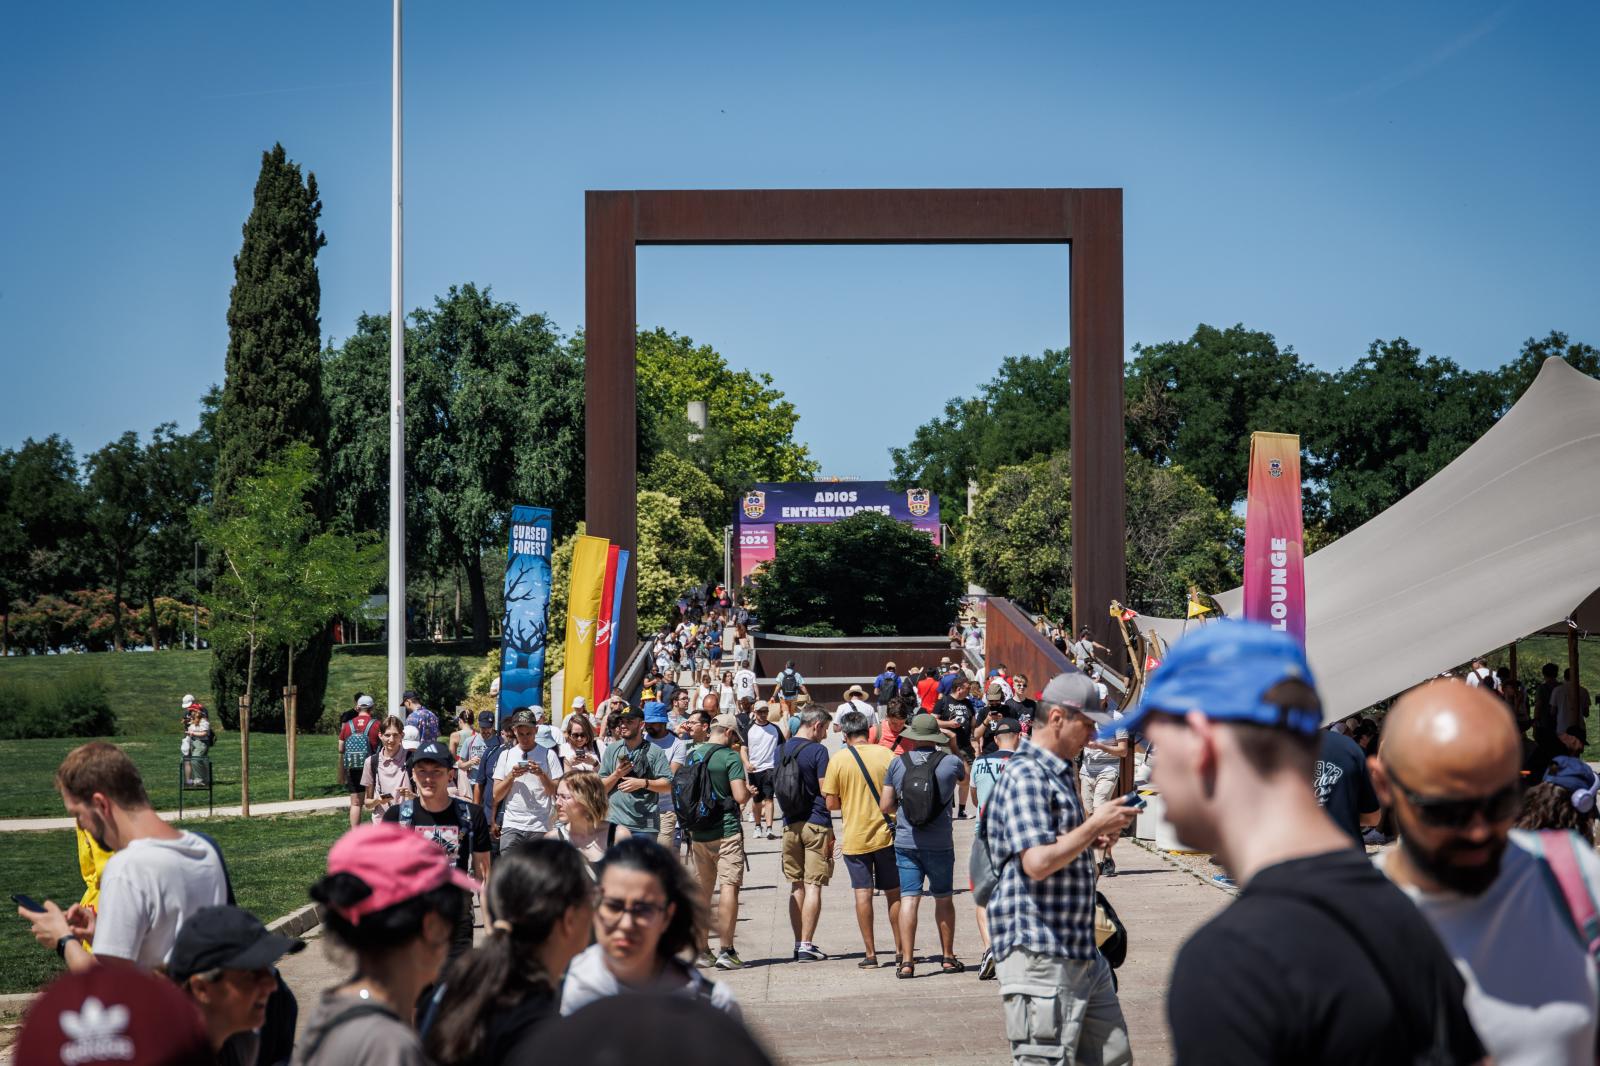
(1436, 865)
(97, 831)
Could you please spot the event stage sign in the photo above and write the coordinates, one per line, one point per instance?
(776, 503)
(526, 618)
(589, 557)
(1274, 549)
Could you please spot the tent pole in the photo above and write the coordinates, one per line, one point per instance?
(1511, 659)
(1572, 672)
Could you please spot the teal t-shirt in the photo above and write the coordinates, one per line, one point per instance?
(641, 809)
(726, 767)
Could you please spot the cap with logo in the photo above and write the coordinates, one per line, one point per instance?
(524, 716)
(397, 863)
(434, 751)
(1003, 725)
(114, 1013)
(485, 719)
(226, 938)
(1225, 670)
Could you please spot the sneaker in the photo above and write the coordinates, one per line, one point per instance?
(728, 959)
(705, 960)
(1108, 868)
(1224, 881)
(986, 967)
(961, 812)
(809, 953)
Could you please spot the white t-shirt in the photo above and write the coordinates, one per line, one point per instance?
(1480, 676)
(763, 741)
(856, 705)
(677, 752)
(145, 891)
(713, 689)
(1531, 987)
(1096, 762)
(744, 684)
(528, 807)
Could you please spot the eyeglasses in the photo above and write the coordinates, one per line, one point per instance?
(643, 911)
(1450, 813)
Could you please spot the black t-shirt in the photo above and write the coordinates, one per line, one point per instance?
(444, 828)
(953, 709)
(1343, 786)
(1276, 978)
(516, 1035)
(1007, 710)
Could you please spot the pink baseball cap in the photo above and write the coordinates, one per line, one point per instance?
(397, 863)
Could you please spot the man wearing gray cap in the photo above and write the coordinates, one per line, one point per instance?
(1060, 1003)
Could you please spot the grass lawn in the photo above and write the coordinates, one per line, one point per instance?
(1534, 652)
(145, 688)
(272, 862)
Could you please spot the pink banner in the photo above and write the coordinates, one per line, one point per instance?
(1274, 556)
(603, 634)
(753, 546)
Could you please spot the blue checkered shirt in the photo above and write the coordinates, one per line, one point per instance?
(1034, 803)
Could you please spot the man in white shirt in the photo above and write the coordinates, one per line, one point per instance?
(1479, 674)
(855, 699)
(157, 877)
(1449, 770)
(525, 783)
(744, 684)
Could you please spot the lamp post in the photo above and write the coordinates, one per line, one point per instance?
(397, 400)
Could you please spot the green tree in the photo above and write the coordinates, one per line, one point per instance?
(1023, 412)
(1514, 378)
(1196, 402)
(672, 475)
(41, 525)
(750, 428)
(272, 392)
(866, 574)
(494, 417)
(120, 513)
(1018, 541)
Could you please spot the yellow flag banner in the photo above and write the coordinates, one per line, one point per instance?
(1198, 609)
(583, 613)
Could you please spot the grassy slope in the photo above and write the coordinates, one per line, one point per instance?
(1534, 652)
(272, 862)
(145, 689)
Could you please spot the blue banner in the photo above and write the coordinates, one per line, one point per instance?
(522, 630)
(616, 614)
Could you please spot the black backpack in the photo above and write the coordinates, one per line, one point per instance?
(788, 683)
(795, 794)
(698, 805)
(908, 687)
(888, 688)
(919, 789)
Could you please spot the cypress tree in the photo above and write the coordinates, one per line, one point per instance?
(271, 399)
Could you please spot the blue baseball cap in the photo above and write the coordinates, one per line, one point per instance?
(1224, 670)
(655, 711)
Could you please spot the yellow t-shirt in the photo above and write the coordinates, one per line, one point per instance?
(864, 827)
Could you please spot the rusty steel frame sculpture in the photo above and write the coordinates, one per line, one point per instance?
(1089, 220)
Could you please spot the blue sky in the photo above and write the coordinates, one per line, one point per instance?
(1332, 175)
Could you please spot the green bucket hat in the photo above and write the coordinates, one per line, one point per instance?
(925, 728)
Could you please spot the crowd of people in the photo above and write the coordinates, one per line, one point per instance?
(602, 852)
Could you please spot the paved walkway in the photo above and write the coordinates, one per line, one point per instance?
(324, 803)
(810, 1014)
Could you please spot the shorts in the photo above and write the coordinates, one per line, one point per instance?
(936, 867)
(353, 785)
(720, 861)
(761, 784)
(807, 853)
(873, 869)
(1097, 790)
(667, 835)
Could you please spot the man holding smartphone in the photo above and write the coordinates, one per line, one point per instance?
(525, 778)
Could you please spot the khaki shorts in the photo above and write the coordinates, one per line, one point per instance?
(807, 853)
(668, 836)
(1097, 790)
(720, 861)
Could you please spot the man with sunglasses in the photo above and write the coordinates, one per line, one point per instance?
(1319, 960)
(1449, 769)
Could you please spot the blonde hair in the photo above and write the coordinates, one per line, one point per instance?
(589, 793)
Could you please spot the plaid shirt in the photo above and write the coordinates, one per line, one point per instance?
(1034, 803)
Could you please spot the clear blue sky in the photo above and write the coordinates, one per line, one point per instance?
(1331, 175)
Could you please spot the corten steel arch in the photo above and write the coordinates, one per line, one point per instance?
(1090, 220)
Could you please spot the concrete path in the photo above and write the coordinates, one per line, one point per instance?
(810, 1014)
(324, 803)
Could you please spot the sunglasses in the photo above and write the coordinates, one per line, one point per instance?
(643, 911)
(1450, 813)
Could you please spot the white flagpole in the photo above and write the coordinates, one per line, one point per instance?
(397, 406)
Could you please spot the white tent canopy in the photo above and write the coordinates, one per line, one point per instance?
(1502, 542)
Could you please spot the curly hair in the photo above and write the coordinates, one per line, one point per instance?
(1549, 806)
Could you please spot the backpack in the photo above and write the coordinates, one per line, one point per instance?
(358, 745)
(888, 687)
(408, 813)
(908, 687)
(698, 805)
(788, 683)
(919, 789)
(795, 794)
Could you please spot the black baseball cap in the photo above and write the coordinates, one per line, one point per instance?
(226, 938)
(485, 718)
(409, 694)
(1005, 725)
(434, 752)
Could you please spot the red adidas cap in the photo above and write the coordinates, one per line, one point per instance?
(113, 1013)
(397, 863)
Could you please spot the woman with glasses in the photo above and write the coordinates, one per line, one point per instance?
(581, 807)
(648, 918)
(541, 902)
(578, 749)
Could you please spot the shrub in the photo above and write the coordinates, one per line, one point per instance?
(816, 629)
(71, 707)
(442, 684)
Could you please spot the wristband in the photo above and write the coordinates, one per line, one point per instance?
(61, 945)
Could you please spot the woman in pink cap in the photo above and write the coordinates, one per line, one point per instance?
(392, 899)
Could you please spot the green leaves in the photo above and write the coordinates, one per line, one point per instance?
(864, 574)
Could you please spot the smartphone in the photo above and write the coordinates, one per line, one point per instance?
(27, 903)
(1133, 799)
